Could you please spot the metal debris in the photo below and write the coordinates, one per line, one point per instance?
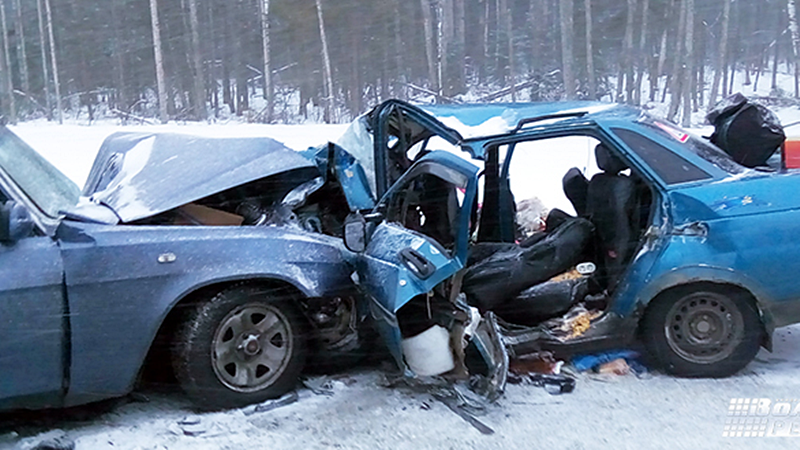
(269, 405)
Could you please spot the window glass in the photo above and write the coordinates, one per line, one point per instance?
(666, 164)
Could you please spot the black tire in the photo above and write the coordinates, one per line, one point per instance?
(244, 345)
(702, 331)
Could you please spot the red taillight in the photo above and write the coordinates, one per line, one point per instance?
(791, 153)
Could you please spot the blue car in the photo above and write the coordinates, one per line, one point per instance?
(660, 237)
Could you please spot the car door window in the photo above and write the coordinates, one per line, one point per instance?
(668, 166)
(535, 170)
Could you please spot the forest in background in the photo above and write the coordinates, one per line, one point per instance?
(329, 60)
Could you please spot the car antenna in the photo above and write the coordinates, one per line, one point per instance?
(529, 120)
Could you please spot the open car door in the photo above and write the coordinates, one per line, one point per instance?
(410, 267)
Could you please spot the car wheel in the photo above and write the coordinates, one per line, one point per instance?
(242, 346)
(701, 331)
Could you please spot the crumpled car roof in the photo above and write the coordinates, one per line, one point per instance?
(140, 174)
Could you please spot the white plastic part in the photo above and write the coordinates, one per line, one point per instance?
(428, 353)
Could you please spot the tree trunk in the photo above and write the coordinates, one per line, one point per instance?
(269, 95)
(776, 43)
(460, 44)
(677, 78)
(792, 13)
(642, 54)
(626, 72)
(54, 60)
(120, 99)
(662, 54)
(689, 85)
(197, 63)
(446, 33)
(9, 85)
(326, 61)
(722, 54)
(430, 49)
(159, 59)
(21, 49)
(566, 12)
(592, 82)
(45, 74)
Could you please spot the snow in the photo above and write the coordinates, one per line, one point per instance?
(616, 412)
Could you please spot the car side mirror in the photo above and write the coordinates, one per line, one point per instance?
(15, 222)
(355, 233)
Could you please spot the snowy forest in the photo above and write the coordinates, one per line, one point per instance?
(329, 60)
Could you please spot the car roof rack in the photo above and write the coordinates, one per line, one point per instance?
(529, 120)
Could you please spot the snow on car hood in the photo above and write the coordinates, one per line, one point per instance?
(141, 174)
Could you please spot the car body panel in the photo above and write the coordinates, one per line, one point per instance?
(138, 175)
(122, 286)
(32, 316)
(389, 283)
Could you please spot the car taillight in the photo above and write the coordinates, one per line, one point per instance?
(791, 153)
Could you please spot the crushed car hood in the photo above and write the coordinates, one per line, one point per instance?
(138, 175)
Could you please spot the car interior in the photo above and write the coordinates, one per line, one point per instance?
(527, 278)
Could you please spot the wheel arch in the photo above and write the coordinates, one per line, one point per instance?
(161, 341)
(719, 285)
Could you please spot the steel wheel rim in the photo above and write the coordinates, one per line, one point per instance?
(704, 327)
(251, 347)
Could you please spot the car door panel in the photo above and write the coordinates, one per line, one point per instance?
(32, 324)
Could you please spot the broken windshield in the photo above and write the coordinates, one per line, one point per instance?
(358, 141)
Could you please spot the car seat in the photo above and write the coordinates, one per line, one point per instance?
(612, 206)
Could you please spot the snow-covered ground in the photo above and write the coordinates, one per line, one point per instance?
(616, 412)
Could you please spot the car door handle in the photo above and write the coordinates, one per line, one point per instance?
(416, 263)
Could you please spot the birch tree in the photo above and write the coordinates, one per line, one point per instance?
(590, 75)
(326, 61)
(430, 48)
(641, 53)
(159, 59)
(19, 29)
(567, 30)
(43, 46)
(197, 63)
(9, 86)
(54, 61)
(792, 13)
(722, 54)
(689, 81)
(268, 91)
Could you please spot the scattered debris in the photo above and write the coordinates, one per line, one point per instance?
(540, 362)
(321, 385)
(576, 322)
(587, 362)
(616, 367)
(269, 405)
(553, 384)
(459, 409)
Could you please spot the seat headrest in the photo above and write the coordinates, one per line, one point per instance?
(607, 161)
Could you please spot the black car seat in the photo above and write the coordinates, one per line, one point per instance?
(612, 206)
(575, 186)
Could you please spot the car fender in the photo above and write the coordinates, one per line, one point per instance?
(122, 282)
(711, 274)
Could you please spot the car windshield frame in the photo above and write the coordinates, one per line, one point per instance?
(44, 185)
